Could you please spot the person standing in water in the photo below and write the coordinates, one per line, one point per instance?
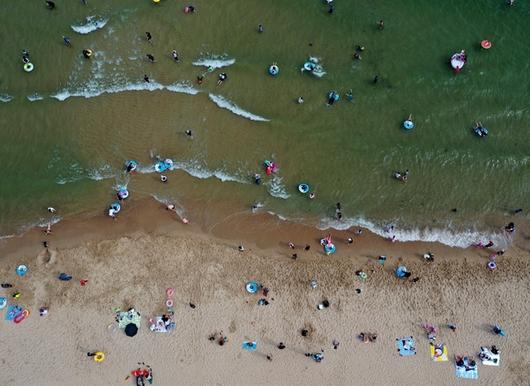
(175, 55)
(146, 78)
(151, 58)
(67, 41)
(50, 4)
(381, 25)
(148, 36)
(260, 28)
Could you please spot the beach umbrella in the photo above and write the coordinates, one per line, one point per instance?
(131, 329)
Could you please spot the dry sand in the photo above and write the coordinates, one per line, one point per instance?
(134, 269)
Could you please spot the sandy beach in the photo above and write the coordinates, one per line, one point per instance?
(130, 263)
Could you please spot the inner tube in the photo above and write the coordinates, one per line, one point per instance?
(115, 206)
(252, 287)
(170, 292)
(87, 53)
(131, 165)
(28, 67)
(329, 248)
(486, 44)
(408, 124)
(3, 302)
(156, 1)
(274, 70)
(169, 303)
(99, 357)
(484, 131)
(20, 317)
(162, 166)
(333, 97)
(458, 60)
(303, 188)
(21, 270)
(492, 265)
(123, 193)
(309, 66)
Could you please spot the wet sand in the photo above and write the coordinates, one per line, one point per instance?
(131, 261)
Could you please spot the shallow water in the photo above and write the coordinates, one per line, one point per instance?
(68, 127)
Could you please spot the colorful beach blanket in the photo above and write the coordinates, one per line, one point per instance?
(439, 352)
(406, 346)
(13, 310)
(467, 370)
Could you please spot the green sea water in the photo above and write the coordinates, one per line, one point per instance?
(67, 147)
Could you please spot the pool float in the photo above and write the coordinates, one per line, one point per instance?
(123, 193)
(114, 209)
(480, 131)
(156, 1)
(131, 166)
(408, 124)
(329, 248)
(486, 44)
(309, 66)
(458, 60)
(401, 271)
(312, 65)
(492, 265)
(87, 53)
(252, 287)
(21, 270)
(170, 292)
(303, 188)
(22, 316)
(3, 302)
(274, 70)
(162, 166)
(28, 67)
(99, 357)
(169, 303)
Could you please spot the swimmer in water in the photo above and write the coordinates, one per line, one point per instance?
(222, 78)
(311, 195)
(260, 28)
(175, 55)
(148, 36)
(300, 100)
(163, 178)
(67, 41)
(50, 4)
(51, 209)
(189, 134)
(25, 56)
(257, 179)
(146, 78)
(151, 58)
(349, 95)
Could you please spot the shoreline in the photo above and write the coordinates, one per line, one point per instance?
(262, 230)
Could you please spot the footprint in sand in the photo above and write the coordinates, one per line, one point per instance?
(47, 257)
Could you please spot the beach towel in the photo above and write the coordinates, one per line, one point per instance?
(158, 325)
(406, 346)
(488, 358)
(466, 371)
(439, 352)
(125, 317)
(13, 310)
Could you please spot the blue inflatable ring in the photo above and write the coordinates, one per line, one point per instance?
(303, 188)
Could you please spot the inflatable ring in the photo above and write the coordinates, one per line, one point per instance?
(486, 44)
(21, 270)
(3, 302)
(329, 249)
(492, 265)
(87, 53)
(170, 292)
(252, 287)
(408, 124)
(169, 303)
(123, 194)
(28, 67)
(99, 357)
(274, 70)
(156, 1)
(303, 188)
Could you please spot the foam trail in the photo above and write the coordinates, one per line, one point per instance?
(5, 98)
(35, 97)
(276, 187)
(91, 92)
(214, 61)
(224, 103)
(195, 169)
(92, 23)
(460, 239)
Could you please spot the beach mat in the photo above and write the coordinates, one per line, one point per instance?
(406, 346)
(465, 371)
(439, 352)
(488, 358)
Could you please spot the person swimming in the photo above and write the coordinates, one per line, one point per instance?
(222, 78)
(50, 4)
(175, 55)
(260, 28)
(257, 179)
(67, 41)
(151, 58)
(146, 78)
(25, 56)
(148, 36)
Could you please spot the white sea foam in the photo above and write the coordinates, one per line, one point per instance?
(453, 238)
(224, 103)
(197, 170)
(76, 172)
(214, 61)
(94, 90)
(5, 97)
(92, 23)
(35, 97)
(276, 188)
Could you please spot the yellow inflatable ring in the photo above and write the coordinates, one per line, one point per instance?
(28, 67)
(99, 357)
(156, 1)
